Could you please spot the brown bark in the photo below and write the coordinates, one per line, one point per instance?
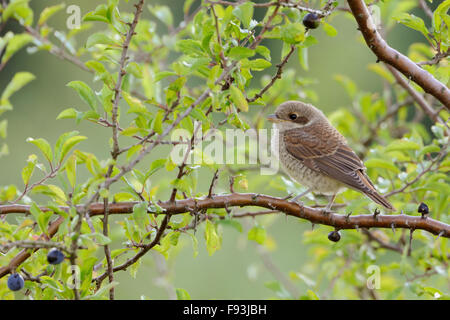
(391, 56)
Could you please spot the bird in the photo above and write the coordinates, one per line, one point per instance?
(315, 154)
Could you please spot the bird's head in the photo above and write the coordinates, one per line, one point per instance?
(295, 114)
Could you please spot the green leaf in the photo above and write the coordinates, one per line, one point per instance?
(303, 57)
(244, 13)
(16, 43)
(100, 38)
(347, 83)
(264, 51)
(429, 149)
(14, 7)
(41, 217)
(140, 215)
(238, 98)
(100, 72)
(258, 234)
(380, 70)
(48, 12)
(381, 163)
(439, 14)
(258, 64)
(3, 128)
(213, 240)
(69, 144)
(232, 223)
(182, 294)
(194, 244)
(163, 13)
(157, 122)
(71, 170)
(135, 104)
(85, 93)
(238, 53)
(329, 29)
(19, 80)
(44, 146)
(311, 295)
(62, 138)
(163, 74)
(134, 69)
(51, 283)
(57, 192)
(191, 47)
(412, 22)
(155, 166)
(69, 113)
(101, 239)
(402, 145)
(28, 170)
(293, 33)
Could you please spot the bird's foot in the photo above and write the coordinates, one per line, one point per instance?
(326, 211)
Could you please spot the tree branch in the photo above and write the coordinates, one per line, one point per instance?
(316, 216)
(391, 56)
(432, 114)
(118, 88)
(275, 77)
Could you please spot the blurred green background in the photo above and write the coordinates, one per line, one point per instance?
(236, 271)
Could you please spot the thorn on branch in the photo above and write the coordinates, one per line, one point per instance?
(410, 241)
(347, 216)
(440, 234)
(232, 184)
(213, 183)
(376, 213)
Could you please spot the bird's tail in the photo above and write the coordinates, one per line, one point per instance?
(378, 198)
(372, 193)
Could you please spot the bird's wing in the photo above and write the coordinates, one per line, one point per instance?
(330, 155)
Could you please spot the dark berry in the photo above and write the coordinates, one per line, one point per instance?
(334, 236)
(311, 21)
(15, 282)
(55, 256)
(423, 209)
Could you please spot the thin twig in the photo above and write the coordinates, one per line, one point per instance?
(275, 77)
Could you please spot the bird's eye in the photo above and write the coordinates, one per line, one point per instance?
(292, 116)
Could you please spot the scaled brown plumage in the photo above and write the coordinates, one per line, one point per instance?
(308, 140)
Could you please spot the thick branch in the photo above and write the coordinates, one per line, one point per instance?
(316, 216)
(391, 56)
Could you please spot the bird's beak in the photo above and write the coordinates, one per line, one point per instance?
(273, 118)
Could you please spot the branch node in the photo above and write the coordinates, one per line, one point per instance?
(393, 227)
(347, 216)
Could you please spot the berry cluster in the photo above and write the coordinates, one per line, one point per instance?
(16, 281)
